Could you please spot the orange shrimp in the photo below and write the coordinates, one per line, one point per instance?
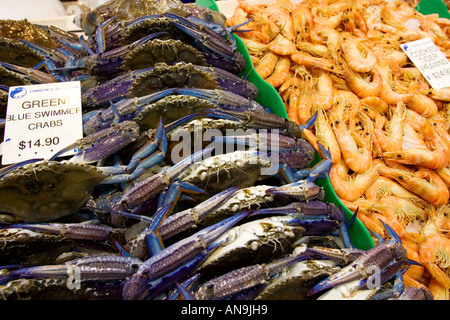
(267, 64)
(383, 186)
(364, 85)
(302, 20)
(390, 138)
(280, 73)
(405, 211)
(292, 111)
(434, 157)
(282, 46)
(438, 94)
(329, 37)
(357, 56)
(444, 174)
(255, 48)
(434, 255)
(351, 187)
(424, 183)
(438, 291)
(387, 93)
(282, 19)
(325, 135)
(315, 62)
(355, 149)
(422, 104)
(323, 93)
(414, 271)
(376, 103)
(304, 109)
(326, 21)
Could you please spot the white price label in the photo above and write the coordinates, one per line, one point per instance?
(430, 61)
(41, 119)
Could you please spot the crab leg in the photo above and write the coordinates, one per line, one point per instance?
(236, 281)
(378, 257)
(81, 231)
(97, 268)
(178, 254)
(153, 185)
(107, 141)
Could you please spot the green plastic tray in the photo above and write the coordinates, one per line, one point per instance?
(269, 97)
(433, 6)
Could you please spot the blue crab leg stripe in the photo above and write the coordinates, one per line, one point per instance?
(152, 237)
(91, 268)
(190, 283)
(226, 100)
(85, 46)
(309, 123)
(184, 292)
(181, 121)
(177, 187)
(301, 189)
(148, 149)
(100, 35)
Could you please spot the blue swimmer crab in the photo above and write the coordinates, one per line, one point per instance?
(139, 83)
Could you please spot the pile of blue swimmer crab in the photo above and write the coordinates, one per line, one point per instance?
(123, 219)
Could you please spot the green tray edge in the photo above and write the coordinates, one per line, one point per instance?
(269, 97)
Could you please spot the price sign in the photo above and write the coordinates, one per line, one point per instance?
(430, 61)
(41, 120)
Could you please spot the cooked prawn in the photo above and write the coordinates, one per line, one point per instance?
(424, 183)
(325, 135)
(364, 85)
(315, 62)
(439, 291)
(282, 46)
(383, 186)
(322, 95)
(389, 133)
(433, 157)
(434, 255)
(422, 104)
(355, 148)
(302, 20)
(438, 94)
(376, 103)
(357, 56)
(387, 93)
(267, 64)
(351, 187)
(280, 73)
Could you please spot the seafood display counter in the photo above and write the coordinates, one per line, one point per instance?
(144, 204)
(358, 66)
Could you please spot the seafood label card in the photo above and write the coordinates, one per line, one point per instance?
(430, 61)
(41, 120)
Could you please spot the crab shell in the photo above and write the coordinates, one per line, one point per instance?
(47, 190)
(251, 243)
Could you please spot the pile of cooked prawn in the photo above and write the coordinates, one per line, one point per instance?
(386, 129)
